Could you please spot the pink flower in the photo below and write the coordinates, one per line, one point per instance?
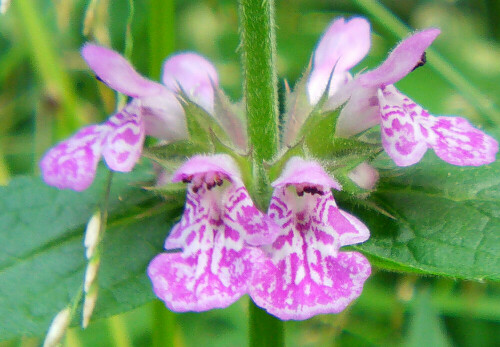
(219, 226)
(195, 75)
(341, 47)
(154, 110)
(407, 129)
(307, 274)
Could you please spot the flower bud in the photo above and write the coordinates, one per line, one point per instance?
(4, 6)
(92, 234)
(90, 274)
(57, 328)
(88, 306)
(364, 175)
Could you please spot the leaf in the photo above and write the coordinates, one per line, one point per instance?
(172, 154)
(42, 259)
(200, 123)
(426, 327)
(447, 220)
(298, 108)
(232, 118)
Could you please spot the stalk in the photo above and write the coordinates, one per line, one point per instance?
(258, 46)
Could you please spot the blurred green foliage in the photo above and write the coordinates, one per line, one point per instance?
(48, 92)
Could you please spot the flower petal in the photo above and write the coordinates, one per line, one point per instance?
(241, 215)
(219, 221)
(457, 142)
(116, 72)
(306, 275)
(202, 164)
(361, 111)
(402, 136)
(226, 203)
(211, 278)
(195, 75)
(401, 61)
(342, 46)
(164, 117)
(122, 146)
(299, 171)
(72, 163)
(306, 284)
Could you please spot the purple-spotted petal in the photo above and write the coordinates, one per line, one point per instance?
(307, 284)
(299, 171)
(241, 215)
(72, 163)
(195, 75)
(210, 278)
(342, 46)
(123, 144)
(218, 223)
(116, 72)
(401, 61)
(457, 142)
(403, 138)
(306, 274)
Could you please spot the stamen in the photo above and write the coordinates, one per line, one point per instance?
(423, 60)
(187, 179)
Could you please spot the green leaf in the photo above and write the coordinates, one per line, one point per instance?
(232, 118)
(447, 220)
(171, 155)
(298, 109)
(200, 123)
(42, 261)
(426, 329)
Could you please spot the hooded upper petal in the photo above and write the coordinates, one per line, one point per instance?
(114, 70)
(72, 163)
(307, 275)
(362, 111)
(302, 172)
(342, 46)
(218, 224)
(123, 143)
(195, 75)
(401, 61)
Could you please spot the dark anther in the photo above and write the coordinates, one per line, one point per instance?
(300, 193)
(187, 179)
(422, 61)
(195, 189)
(219, 181)
(210, 185)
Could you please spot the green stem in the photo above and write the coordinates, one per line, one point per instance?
(258, 45)
(258, 54)
(164, 325)
(265, 330)
(161, 33)
(48, 65)
(386, 18)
